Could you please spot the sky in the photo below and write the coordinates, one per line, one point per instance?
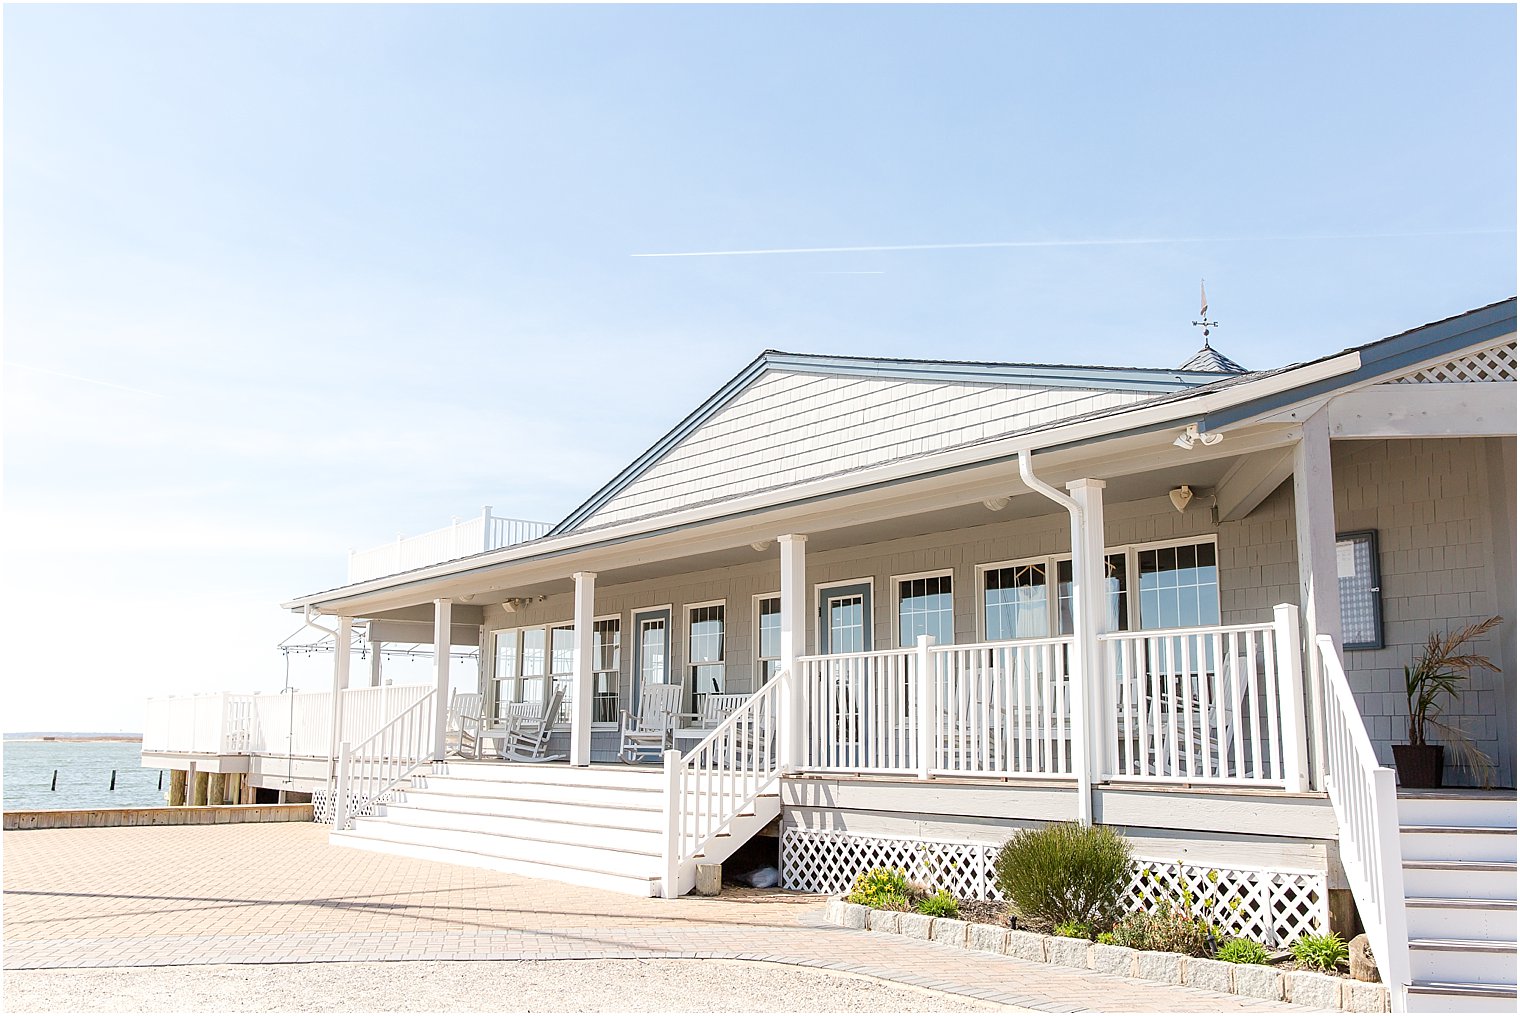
(282, 281)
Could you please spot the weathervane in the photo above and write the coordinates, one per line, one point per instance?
(1203, 315)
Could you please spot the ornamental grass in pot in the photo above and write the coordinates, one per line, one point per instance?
(1431, 680)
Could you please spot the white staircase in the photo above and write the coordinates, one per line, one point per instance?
(601, 826)
(1459, 885)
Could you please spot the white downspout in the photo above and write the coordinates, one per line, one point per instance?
(1080, 713)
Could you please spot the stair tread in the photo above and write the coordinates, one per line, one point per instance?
(540, 785)
(415, 807)
(1461, 945)
(1463, 988)
(1463, 865)
(1455, 904)
(1460, 830)
(436, 792)
(444, 827)
(356, 834)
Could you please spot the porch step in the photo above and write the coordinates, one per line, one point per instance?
(1470, 843)
(629, 815)
(1465, 960)
(1460, 996)
(598, 795)
(1456, 808)
(632, 885)
(1486, 920)
(521, 774)
(607, 834)
(1480, 880)
(624, 863)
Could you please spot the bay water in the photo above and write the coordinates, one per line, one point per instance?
(84, 775)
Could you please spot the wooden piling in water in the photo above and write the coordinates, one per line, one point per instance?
(54, 787)
(198, 789)
(177, 788)
(113, 779)
(216, 788)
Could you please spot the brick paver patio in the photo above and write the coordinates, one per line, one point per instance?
(278, 893)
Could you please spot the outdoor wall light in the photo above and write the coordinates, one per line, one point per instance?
(1181, 496)
(1191, 436)
(995, 504)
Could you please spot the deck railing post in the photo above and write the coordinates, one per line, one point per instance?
(485, 528)
(670, 886)
(340, 790)
(928, 706)
(1290, 682)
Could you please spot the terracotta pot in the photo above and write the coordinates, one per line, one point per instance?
(1419, 765)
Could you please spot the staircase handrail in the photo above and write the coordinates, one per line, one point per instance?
(713, 784)
(1364, 798)
(374, 766)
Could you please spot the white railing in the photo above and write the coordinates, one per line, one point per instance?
(461, 538)
(715, 782)
(218, 723)
(295, 723)
(861, 712)
(1364, 798)
(1220, 705)
(369, 770)
(1001, 708)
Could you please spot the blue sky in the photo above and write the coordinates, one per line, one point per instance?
(283, 280)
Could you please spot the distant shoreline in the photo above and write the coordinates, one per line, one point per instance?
(80, 739)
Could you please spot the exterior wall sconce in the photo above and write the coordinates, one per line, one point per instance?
(1191, 436)
(1181, 496)
(995, 504)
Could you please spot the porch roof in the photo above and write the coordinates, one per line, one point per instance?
(1224, 401)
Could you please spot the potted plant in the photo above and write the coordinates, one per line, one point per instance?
(1440, 671)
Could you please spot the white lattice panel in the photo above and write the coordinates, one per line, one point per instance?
(1496, 363)
(1272, 907)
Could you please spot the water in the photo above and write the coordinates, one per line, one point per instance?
(84, 775)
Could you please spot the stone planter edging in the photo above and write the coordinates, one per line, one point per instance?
(1300, 987)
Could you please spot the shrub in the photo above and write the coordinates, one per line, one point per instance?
(881, 888)
(1165, 931)
(1065, 872)
(1320, 952)
(1242, 950)
(939, 904)
(1073, 929)
(1106, 938)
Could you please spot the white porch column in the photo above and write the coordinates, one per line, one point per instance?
(376, 669)
(794, 612)
(443, 620)
(581, 668)
(1318, 583)
(342, 661)
(1092, 587)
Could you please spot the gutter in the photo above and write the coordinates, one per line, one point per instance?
(1087, 659)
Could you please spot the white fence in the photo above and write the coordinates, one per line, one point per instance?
(1365, 800)
(291, 723)
(459, 539)
(1219, 705)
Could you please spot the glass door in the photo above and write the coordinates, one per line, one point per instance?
(844, 618)
(651, 650)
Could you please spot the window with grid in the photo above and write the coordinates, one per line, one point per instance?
(925, 607)
(768, 637)
(606, 639)
(506, 690)
(532, 670)
(1115, 571)
(705, 645)
(1016, 601)
(562, 665)
(1178, 586)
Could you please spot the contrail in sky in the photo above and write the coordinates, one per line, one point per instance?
(1112, 242)
(86, 380)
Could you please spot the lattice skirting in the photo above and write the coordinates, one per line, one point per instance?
(1496, 363)
(322, 805)
(1272, 907)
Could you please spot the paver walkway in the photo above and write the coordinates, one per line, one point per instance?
(278, 893)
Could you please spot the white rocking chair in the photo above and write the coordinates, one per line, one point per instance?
(650, 731)
(528, 741)
(465, 721)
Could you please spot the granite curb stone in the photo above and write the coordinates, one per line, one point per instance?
(1305, 987)
(915, 925)
(949, 931)
(1112, 959)
(988, 938)
(1069, 952)
(1198, 972)
(1158, 966)
(1258, 981)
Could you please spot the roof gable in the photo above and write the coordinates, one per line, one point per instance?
(787, 418)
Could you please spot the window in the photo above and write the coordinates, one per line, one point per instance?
(562, 665)
(1356, 565)
(925, 607)
(606, 645)
(532, 669)
(1179, 586)
(506, 689)
(768, 637)
(1115, 568)
(1015, 601)
(705, 646)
